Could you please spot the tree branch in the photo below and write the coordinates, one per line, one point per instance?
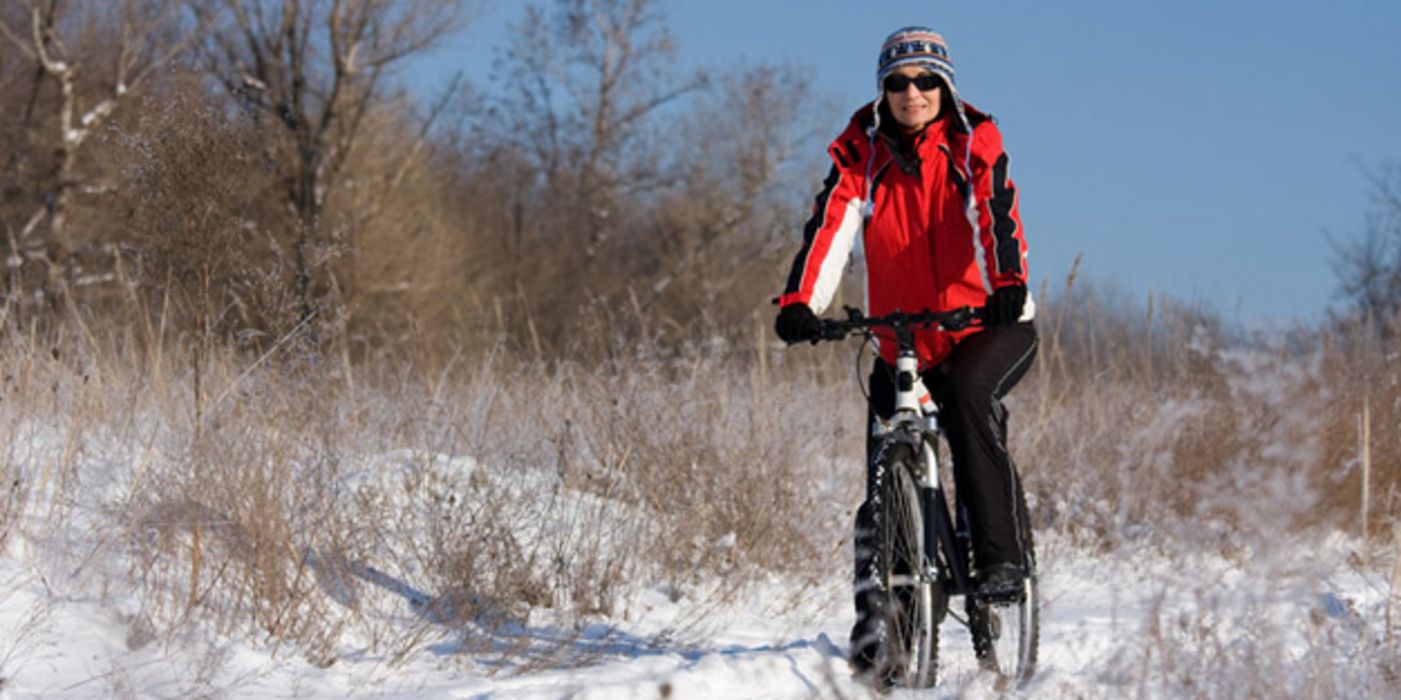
(19, 43)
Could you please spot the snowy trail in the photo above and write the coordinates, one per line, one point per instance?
(1112, 626)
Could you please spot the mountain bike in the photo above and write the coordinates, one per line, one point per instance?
(923, 554)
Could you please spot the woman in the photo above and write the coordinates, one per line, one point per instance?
(922, 176)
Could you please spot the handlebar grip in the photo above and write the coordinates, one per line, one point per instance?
(833, 330)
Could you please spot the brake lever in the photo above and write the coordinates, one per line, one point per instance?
(961, 318)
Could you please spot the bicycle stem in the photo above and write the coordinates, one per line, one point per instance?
(910, 392)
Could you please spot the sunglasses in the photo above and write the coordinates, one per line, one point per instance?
(896, 82)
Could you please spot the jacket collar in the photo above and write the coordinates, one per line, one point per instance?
(855, 144)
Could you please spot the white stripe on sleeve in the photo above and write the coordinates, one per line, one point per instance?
(829, 276)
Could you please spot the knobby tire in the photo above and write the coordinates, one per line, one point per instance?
(910, 620)
(1006, 637)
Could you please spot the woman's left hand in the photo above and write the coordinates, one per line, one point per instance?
(1005, 306)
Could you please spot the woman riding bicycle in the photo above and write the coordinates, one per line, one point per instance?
(922, 176)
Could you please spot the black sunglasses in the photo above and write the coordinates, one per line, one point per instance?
(895, 82)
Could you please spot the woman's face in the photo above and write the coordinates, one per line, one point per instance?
(912, 107)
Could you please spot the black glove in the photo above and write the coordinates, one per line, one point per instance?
(797, 323)
(1004, 306)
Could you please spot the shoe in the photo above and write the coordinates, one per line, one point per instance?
(1000, 583)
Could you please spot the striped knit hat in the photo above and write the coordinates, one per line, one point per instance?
(917, 46)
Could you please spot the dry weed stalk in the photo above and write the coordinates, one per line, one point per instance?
(1394, 599)
(1364, 450)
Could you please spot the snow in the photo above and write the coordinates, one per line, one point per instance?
(1198, 609)
(1124, 623)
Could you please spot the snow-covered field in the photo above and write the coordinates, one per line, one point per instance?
(1302, 621)
(458, 545)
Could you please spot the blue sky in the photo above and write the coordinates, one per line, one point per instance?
(1203, 149)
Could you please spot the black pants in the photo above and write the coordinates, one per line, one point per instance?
(969, 386)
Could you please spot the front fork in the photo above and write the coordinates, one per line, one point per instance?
(915, 408)
(912, 398)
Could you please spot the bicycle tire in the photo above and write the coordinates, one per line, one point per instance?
(1013, 656)
(911, 623)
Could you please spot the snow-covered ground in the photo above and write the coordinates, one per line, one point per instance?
(99, 549)
(1303, 620)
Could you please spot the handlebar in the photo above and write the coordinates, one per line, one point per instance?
(900, 322)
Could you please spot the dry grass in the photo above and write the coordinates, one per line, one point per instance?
(287, 499)
(305, 502)
(1137, 421)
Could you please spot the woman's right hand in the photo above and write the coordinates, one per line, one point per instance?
(797, 323)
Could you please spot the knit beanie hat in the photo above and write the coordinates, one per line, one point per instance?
(922, 47)
(914, 46)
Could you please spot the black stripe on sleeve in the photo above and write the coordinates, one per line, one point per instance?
(819, 215)
(1004, 227)
(837, 153)
(853, 152)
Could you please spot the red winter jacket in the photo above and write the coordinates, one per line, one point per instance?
(925, 246)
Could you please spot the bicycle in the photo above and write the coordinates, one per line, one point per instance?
(923, 554)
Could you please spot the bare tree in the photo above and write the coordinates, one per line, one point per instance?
(1369, 268)
(586, 94)
(311, 72)
(751, 148)
(585, 82)
(95, 57)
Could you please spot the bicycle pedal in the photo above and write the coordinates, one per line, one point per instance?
(1002, 598)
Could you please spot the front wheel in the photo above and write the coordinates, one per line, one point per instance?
(913, 599)
(1006, 634)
